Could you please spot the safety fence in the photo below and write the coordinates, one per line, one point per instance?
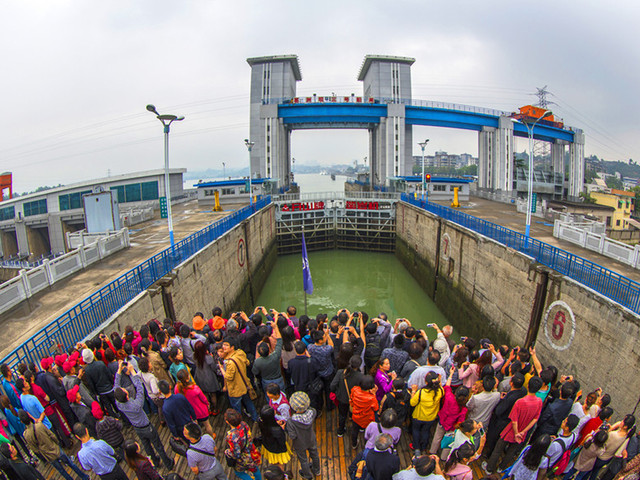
(86, 316)
(612, 285)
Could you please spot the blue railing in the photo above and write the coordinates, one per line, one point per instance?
(81, 319)
(604, 281)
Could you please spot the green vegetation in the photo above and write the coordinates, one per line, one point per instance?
(614, 182)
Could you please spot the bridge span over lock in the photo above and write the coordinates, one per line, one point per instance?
(389, 113)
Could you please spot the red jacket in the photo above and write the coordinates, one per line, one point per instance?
(364, 404)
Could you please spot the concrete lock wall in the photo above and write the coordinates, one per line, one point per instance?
(487, 289)
(228, 273)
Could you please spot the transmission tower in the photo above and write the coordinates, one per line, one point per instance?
(540, 148)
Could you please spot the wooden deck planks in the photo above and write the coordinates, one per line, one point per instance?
(335, 453)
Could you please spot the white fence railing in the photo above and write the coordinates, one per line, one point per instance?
(30, 282)
(598, 243)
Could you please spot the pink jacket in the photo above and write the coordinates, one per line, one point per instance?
(471, 375)
(197, 400)
(451, 413)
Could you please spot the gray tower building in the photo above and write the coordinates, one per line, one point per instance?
(272, 79)
(388, 79)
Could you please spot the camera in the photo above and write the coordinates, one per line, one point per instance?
(125, 364)
(356, 314)
(431, 325)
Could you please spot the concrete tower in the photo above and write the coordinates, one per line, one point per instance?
(272, 80)
(388, 80)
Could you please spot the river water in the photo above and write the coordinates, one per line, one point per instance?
(359, 281)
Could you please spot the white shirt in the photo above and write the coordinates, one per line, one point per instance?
(417, 377)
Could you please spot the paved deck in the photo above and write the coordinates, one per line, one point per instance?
(507, 216)
(335, 453)
(146, 239)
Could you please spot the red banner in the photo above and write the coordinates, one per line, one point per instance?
(302, 207)
(351, 205)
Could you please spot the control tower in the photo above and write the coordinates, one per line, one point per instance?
(273, 79)
(388, 79)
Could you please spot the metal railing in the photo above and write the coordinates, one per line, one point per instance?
(606, 282)
(84, 317)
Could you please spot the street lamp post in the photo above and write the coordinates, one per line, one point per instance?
(167, 120)
(249, 145)
(423, 145)
(530, 126)
(224, 171)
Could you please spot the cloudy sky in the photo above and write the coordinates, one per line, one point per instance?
(77, 74)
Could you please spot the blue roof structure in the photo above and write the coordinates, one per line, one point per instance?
(231, 183)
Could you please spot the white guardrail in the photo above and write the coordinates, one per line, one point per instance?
(598, 243)
(30, 282)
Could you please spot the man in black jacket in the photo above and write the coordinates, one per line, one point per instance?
(100, 381)
(382, 463)
(54, 388)
(500, 417)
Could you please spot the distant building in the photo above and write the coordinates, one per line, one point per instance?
(439, 188)
(233, 191)
(36, 225)
(444, 159)
(623, 204)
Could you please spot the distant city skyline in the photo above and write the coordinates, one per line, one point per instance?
(78, 75)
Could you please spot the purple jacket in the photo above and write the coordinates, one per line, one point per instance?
(384, 383)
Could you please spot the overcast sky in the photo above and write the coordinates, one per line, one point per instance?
(76, 75)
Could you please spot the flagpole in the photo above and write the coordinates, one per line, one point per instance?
(305, 303)
(307, 282)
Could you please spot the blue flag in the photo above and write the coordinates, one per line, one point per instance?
(307, 282)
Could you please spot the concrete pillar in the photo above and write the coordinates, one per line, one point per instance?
(576, 165)
(56, 234)
(21, 237)
(504, 171)
(38, 241)
(557, 160)
(486, 157)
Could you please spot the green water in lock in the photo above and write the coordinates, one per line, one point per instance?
(359, 281)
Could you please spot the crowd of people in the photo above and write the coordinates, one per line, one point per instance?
(272, 374)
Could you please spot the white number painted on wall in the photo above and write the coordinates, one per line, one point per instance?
(559, 325)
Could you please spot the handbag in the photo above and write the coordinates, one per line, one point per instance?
(447, 440)
(178, 446)
(231, 461)
(348, 392)
(252, 393)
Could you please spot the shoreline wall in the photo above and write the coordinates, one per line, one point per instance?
(494, 291)
(228, 273)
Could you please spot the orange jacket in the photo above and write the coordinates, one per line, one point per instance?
(363, 405)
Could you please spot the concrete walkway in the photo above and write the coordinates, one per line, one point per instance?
(507, 216)
(147, 239)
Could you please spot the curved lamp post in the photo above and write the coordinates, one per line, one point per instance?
(423, 145)
(166, 120)
(530, 126)
(249, 145)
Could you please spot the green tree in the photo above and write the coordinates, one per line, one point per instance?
(614, 182)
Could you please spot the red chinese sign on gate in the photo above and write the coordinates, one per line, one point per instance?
(302, 206)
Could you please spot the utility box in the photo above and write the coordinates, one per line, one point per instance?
(101, 212)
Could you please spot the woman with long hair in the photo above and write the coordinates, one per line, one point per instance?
(383, 377)
(457, 466)
(345, 352)
(453, 411)
(427, 404)
(139, 463)
(614, 448)
(533, 462)
(288, 352)
(592, 448)
(205, 375)
(187, 387)
(275, 449)
(473, 371)
(343, 381)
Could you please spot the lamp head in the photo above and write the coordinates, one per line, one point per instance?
(180, 118)
(548, 113)
(152, 109)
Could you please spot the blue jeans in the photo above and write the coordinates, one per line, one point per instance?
(247, 475)
(63, 459)
(421, 432)
(580, 476)
(237, 402)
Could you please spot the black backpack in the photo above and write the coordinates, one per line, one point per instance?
(373, 350)
(360, 460)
